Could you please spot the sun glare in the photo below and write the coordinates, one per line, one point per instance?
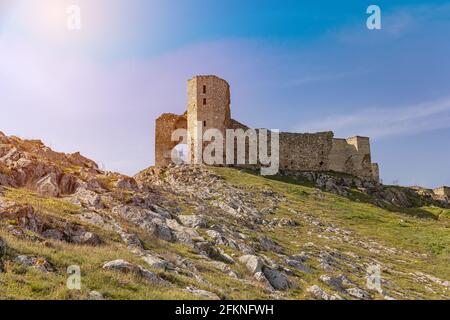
(51, 15)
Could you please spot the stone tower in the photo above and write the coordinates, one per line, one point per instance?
(208, 107)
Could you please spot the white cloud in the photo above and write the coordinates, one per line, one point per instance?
(383, 122)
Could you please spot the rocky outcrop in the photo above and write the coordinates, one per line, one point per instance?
(319, 294)
(253, 264)
(152, 222)
(25, 216)
(95, 295)
(2, 253)
(277, 280)
(126, 267)
(202, 293)
(194, 229)
(38, 263)
(383, 196)
(29, 163)
(87, 199)
(48, 185)
(193, 221)
(257, 267)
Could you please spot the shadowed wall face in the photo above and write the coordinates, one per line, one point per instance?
(443, 191)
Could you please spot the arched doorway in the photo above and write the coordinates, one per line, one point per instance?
(180, 154)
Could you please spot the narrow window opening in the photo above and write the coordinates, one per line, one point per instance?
(204, 123)
(204, 89)
(204, 101)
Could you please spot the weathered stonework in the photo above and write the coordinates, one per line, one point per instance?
(209, 104)
(165, 125)
(375, 172)
(352, 155)
(305, 151)
(442, 191)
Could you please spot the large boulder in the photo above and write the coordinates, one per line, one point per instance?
(23, 216)
(276, 279)
(127, 267)
(48, 185)
(68, 184)
(298, 265)
(358, 293)
(268, 244)
(207, 249)
(182, 233)
(86, 237)
(318, 293)
(253, 263)
(54, 234)
(37, 263)
(193, 221)
(56, 228)
(96, 295)
(87, 198)
(150, 221)
(156, 262)
(218, 238)
(61, 230)
(338, 283)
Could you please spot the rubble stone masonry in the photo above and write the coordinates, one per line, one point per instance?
(209, 104)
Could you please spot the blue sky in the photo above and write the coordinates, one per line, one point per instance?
(295, 66)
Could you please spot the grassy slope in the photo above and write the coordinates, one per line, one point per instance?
(399, 229)
(430, 236)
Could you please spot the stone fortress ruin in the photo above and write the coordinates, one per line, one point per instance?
(443, 191)
(209, 105)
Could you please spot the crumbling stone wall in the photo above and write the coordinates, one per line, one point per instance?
(375, 172)
(359, 158)
(165, 125)
(442, 191)
(305, 151)
(352, 155)
(338, 155)
(209, 107)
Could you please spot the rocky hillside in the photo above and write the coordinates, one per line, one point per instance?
(188, 232)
